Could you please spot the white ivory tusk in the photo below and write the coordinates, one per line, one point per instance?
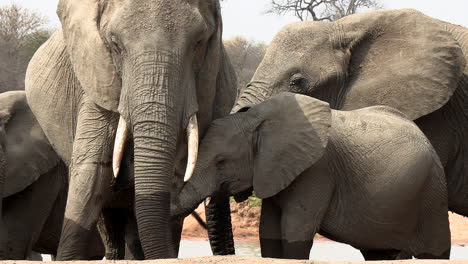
(207, 201)
(120, 137)
(192, 141)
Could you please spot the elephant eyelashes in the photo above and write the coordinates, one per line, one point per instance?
(116, 47)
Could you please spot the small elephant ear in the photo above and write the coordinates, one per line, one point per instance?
(27, 150)
(292, 134)
(400, 58)
(91, 59)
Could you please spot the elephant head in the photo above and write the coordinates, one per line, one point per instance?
(266, 147)
(162, 66)
(27, 154)
(398, 58)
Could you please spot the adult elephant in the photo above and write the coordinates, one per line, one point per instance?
(398, 58)
(157, 66)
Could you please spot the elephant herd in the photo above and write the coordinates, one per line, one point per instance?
(354, 129)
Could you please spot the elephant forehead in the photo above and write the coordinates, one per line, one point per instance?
(301, 36)
(168, 16)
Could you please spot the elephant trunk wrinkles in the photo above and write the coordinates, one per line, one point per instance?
(150, 106)
(256, 92)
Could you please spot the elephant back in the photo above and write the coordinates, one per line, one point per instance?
(377, 125)
(27, 151)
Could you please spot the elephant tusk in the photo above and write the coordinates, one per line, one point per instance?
(120, 137)
(192, 141)
(207, 201)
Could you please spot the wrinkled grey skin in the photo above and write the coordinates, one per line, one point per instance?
(33, 183)
(397, 58)
(368, 178)
(155, 63)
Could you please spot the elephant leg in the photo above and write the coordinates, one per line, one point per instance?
(90, 179)
(48, 240)
(218, 221)
(111, 226)
(26, 213)
(404, 255)
(133, 251)
(444, 255)
(380, 254)
(176, 230)
(35, 256)
(270, 230)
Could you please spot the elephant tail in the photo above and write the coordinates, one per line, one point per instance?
(199, 220)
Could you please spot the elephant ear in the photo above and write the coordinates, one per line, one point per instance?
(90, 57)
(292, 134)
(400, 58)
(27, 150)
(216, 82)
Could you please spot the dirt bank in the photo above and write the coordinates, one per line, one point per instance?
(245, 221)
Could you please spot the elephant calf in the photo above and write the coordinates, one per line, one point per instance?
(368, 178)
(33, 185)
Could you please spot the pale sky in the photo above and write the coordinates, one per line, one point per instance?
(247, 17)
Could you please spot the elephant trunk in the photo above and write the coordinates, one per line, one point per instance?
(149, 103)
(254, 93)
(199, 187)
(218, 214)
(218, 217)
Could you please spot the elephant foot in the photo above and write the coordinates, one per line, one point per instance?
(384, 254)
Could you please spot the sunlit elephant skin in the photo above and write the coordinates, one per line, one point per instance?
(150, 66)
(33, 184)
(368, 177)
(398, 58)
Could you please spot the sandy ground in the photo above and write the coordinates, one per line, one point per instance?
(245, 221)
(244, 260)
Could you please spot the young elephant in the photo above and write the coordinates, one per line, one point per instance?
(368, 178)
(33, 185)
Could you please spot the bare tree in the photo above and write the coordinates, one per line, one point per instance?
(245, 57)
(21, 33)
(322, 10)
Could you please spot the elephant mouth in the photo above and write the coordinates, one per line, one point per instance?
(192, 142)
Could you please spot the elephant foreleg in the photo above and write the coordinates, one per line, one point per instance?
(26, 213)
(384, 254)
(111, 226)
(176, 230)
(270, 230)
(133, 250)
(90, 179)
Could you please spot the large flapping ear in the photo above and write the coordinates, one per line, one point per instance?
(291, 134)
(91, 59)
(28, 152)
(216, 81)
(399, 58)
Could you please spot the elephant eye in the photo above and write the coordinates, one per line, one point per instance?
(297, 80)
(116, 44)
(221, 164)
